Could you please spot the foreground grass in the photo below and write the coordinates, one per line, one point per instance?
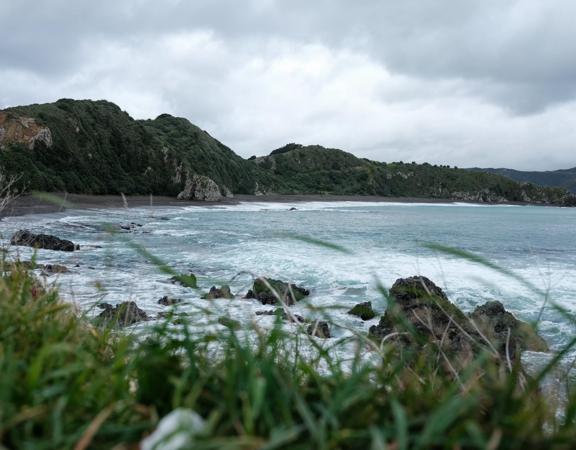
(66, 384)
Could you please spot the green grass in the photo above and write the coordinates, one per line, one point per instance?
(67, 384)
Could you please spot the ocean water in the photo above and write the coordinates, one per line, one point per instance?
(232, 244)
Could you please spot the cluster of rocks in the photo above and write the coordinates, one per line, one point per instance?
(271, 292)
(123, 314)
(419, 315)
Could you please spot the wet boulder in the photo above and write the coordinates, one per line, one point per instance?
(363, 310)
(45, 241)
(167, 301)
(319, 328)
(123, 314)
(420, 314)
(271, 292)
(507, 334)
(223, 292)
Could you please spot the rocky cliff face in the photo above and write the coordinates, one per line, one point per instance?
(15, 129)
(200, 187)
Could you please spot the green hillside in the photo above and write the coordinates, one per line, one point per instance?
(99, 149)
(93, 147)
(565, 178)
(315, 169)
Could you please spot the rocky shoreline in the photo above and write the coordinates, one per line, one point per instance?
(418, 317)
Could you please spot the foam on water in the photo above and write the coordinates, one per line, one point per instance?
(229, 243)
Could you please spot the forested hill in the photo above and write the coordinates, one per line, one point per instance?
(93, 147)
(565, 178)
(315, 169)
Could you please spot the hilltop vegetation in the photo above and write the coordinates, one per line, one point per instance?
(315, 169)
(96, 148)
(565, 178)
(93, 147)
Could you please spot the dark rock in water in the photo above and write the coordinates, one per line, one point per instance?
(45, 241)
(185, 280)
(229, 323)
(279, 312)
(268, 291)
(363, 310)
(124, 314)
(54, 268)
(320, 329)
(129, 226)
(167, 301)
(506, 332)
(46, 268)
(223, 292)
(420, 314)
(293, 209)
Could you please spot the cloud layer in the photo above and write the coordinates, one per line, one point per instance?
(464, 83)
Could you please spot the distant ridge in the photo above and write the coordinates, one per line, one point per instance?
(564, 178)
(93, 147)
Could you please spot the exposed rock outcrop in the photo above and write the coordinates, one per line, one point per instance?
(421, 315)
(45, 241)
(363, 310)
(123, 314)
(27, 131)
(200, 187)
(223, 292)
(270, 292)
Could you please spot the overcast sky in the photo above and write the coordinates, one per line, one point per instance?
(487, 83)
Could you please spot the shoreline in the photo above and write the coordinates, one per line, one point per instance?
(29, 204)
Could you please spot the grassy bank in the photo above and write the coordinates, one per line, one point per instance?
(67, 384)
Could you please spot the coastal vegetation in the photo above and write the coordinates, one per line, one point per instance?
(93, 147)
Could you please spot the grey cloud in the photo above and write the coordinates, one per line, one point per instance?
(450, 82)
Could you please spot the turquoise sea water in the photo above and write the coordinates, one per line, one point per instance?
(229, 244)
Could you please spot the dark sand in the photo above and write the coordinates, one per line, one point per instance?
(31, 204)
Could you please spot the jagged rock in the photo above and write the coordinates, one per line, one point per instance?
(229, 323)
(200, 187)
(363, 310)
(45, 241)
(420, 314)
(279, 312)
(319, 329)
(223, 292)
(268, 291)
(167, 301)
(124, 314)
(495, 323)
(185, 280)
